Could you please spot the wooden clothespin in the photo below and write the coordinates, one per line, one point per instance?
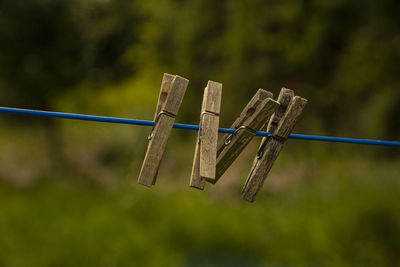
(252, 119)
(284, 98)
(165, 87)
(205, 156)
(280, 127)
(173, 89)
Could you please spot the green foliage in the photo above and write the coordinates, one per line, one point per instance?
(341, 55)
(331, 221)
(67, 198)
(51, 46)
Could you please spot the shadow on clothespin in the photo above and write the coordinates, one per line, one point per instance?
(205, 156)
(252, 119)
(172, 91)
(280, 126)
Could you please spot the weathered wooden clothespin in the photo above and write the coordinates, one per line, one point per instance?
(165, 87)
(205, 156)
(284, 98)
(280, 127)
(173, 89)
(252, 119)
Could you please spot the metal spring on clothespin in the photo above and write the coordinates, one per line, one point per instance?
(201, 122)
(245, 128)
(252, 119)
(164, 112)
(173, 88)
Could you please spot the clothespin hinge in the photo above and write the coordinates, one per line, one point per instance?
(201, 122)
(245, 128)
(163, 112)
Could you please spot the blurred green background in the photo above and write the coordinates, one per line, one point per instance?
(68, 192)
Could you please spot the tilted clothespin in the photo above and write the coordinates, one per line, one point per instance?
(165, 87)
(284, 98)
(173, 89)
(252, 119)
(280, 127)
(205, 156)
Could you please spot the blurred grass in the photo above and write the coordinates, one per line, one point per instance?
(313, 211)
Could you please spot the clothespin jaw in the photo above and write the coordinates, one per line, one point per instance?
(165, 88)
(205, 156)
(284, 99)
(280, 128)
(252, 119)
(172, 91)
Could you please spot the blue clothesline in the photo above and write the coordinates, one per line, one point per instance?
(189, 127)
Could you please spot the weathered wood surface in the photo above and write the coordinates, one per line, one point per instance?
(164, 90)
(260, 172)
(162, 130)
(209, 132)
(195, 178)
(255, 115)
(284, 98)
(205, 157)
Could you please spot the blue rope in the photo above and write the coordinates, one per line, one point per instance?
(189, 127)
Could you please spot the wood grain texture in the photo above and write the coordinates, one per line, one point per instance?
(260, 172)
(195, 178)
(259, 97)
(164, 90)
(256, 101)
(209, 132)
(205, 157)
(256, 116)
(248, 110)
(176, 94)
(161, 132)
(288, 121)
(284, 98)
